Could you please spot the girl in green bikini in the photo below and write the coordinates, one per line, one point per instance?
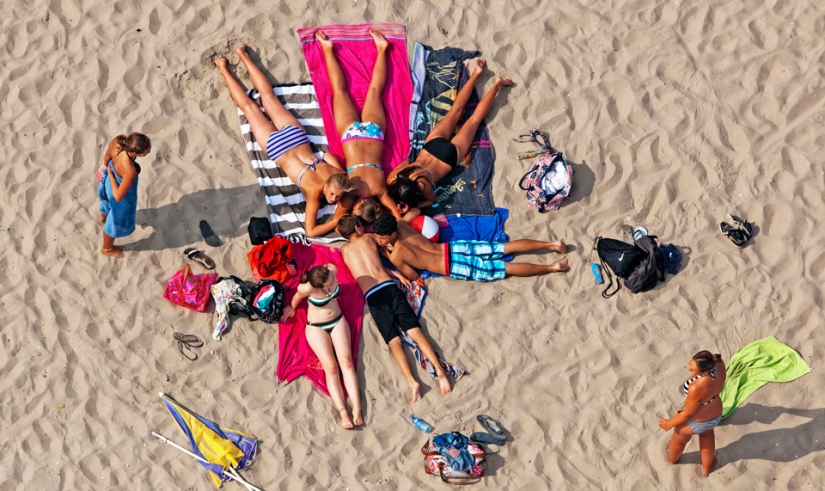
(329, 337)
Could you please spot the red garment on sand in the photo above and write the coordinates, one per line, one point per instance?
(270, 260)
(355, 50)
(295, 357)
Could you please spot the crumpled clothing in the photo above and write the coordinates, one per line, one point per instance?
(453, 447)
(224, 292)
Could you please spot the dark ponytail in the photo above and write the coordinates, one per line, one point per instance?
(136, 143)
(705, 360)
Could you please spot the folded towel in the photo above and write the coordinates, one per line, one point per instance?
(295, 357)
(758, 363)
(286, 204)
(356, 53)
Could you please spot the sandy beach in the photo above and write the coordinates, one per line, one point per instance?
(673, 114)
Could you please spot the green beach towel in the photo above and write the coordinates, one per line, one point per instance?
(758, 363)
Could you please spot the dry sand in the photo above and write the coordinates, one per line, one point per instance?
(675, 113)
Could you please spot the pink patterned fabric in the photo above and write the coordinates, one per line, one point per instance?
(355, 50)
(295, 357)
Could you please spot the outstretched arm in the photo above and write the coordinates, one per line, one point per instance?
(389, 204)
(405, 268)
(289, 310)
(311, 224)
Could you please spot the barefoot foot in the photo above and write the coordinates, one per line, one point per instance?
(558, 246)
(560, 266)
(380, 41)
(444, 383)
(357, 419)
(115, 251)
(220, 63)
(503, 82)
(323, 40)
(346, 422)
(416, 391)
(713, 465)
(241, 50)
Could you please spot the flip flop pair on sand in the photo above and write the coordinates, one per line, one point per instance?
(495, 432)
(185, 343)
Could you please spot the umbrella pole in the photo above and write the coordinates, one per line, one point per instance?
(229, 470)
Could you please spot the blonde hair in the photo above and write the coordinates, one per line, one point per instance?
(341, 181)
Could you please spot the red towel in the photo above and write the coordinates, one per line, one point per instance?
(355, 50)
(295, 357)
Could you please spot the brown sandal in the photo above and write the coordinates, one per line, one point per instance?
(199, 257)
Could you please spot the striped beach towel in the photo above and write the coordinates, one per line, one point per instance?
(286, 204)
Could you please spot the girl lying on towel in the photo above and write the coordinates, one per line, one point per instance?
(328, 335)
(287, 144)
(362, 135)
(412, 185)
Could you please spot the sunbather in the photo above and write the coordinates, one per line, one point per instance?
(387, 303)
(328, 335)
(362, 135)
(287, 144)
(412, 185)
(117, 188)
(463, 260)
(701, 412)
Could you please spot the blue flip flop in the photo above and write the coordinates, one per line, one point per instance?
(491, 425)
(484, 437)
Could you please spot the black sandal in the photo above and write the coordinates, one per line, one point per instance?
(199, 257)
(194, 356)
(188, 339)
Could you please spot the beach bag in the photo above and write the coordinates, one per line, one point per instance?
(240, 304)
(272, 260)
(437, 464)
(260, 230)
(617, 257)
(268, 301)
(651, 267)
(547, 182)
(189, 290)
(673, 258)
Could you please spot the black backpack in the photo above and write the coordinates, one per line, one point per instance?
(272, 314)
(651, 268)
(618, 257)
(260, 230)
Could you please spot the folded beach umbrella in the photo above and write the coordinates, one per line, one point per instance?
(221, 451)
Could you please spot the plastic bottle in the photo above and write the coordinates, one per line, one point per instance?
(421, 424)
(597, 272)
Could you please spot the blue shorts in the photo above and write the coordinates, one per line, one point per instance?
(475, 260)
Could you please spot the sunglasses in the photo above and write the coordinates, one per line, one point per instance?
(538, 137)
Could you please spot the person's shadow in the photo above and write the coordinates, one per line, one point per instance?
(778, 445)
(176, 225)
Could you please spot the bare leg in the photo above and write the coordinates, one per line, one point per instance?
(342, 108)
(445, 127)
(260, 125)
(373, 108)
(279, 115)
(109, 248)
(343, 351)
(529, 245)
(321, 345)
(398, 355)
(707, 450)
(527, 269)
(429, 353)
(465, 136)
(678, 441)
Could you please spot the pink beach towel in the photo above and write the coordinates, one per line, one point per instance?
(295, 357)
(355, 50)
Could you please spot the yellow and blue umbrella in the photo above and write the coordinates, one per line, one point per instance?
(221, 451)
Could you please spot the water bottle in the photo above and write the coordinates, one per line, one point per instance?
(597, 272)
(421, 424)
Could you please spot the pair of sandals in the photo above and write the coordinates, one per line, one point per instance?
(185, 344)
(738, 231)
(200, 257)
(495, 432)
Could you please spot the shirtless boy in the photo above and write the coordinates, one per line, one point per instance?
(463, 260)
(387, 303)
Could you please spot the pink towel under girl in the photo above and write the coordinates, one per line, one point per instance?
(355, 50)
(295, 357)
